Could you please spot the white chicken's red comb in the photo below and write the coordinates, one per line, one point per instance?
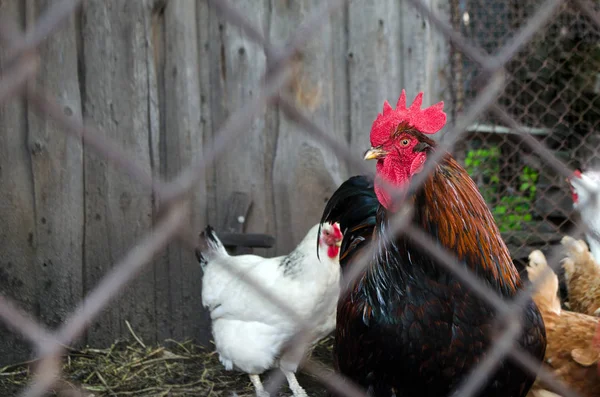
(428, 121)
(337, 233)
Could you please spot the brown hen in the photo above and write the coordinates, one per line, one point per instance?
(571, 352)
(582, 276)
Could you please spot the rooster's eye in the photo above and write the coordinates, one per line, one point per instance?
(405, 142)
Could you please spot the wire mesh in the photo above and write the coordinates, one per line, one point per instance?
(524, 68)
(550, 92)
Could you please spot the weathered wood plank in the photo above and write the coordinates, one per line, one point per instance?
(17, 217)
(251, 240)
(246, 164)
(374, 64)
(164, 320)
(238, 206)
(305, 172)
(57, 169)
(340, 81)
(209, 45)
(118, 210)
(426, 55)
(182, 139)
(207, 29)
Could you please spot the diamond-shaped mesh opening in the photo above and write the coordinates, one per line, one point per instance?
(552, 92)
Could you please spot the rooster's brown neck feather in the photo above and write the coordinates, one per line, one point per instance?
(474, 238)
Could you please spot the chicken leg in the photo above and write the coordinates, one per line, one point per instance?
(294, 385)
(260, 390)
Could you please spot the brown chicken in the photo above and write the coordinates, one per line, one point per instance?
(571, 351)
(582, 276)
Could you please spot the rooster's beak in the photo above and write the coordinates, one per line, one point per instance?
(339, 244)
(375, 153)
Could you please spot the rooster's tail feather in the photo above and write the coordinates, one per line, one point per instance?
(354, 206)
(209, 247)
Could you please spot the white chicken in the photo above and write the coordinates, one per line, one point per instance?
(249, 331)
(580, 183)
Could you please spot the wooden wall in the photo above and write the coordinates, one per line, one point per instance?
(160, 78)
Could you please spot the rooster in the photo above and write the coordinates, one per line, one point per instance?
(580, 184)
(407, 326)
(250, 332)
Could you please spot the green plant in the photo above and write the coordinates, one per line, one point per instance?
(484, 167)
(511, 211)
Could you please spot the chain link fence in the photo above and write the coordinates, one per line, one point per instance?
(525, 88)
(552, 86)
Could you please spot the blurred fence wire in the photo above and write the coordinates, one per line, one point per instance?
(497, 90)
(551, 93)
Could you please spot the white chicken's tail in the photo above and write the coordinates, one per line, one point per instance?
(209, 247)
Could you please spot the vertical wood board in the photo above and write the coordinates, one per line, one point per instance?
(182, 140)
(57, 170)
(374, 64)
(305, 171)
(18, 273)
(246, 164)
(118, 209)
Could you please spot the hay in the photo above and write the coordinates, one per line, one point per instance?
(130, 368)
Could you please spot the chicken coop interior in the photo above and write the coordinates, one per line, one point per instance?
(161, 160)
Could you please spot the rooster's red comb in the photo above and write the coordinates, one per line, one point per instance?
(428, 121)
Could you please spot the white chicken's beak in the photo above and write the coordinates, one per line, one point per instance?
(338, 244)
(375, 153)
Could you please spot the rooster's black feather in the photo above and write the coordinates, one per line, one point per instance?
(354, 205)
